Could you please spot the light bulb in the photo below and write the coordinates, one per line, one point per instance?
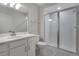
(26, 17)
(12, 4)
(18, 6)
(4, 3)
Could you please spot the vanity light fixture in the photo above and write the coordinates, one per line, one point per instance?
(18, 5)
(14, 5)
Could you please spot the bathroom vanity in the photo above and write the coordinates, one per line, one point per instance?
(20, 45)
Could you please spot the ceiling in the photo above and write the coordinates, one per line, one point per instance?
(45, 4)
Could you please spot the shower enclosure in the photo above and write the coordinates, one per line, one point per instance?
(51, 29)
(60, 29)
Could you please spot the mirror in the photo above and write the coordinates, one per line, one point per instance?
(12, 20)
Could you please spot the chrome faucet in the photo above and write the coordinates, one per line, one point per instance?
(12, 33)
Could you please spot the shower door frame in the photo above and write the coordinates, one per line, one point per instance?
(58, 33)
(57, 28)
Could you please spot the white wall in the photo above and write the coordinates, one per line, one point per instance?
(33, 13)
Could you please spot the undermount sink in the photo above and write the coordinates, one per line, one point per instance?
(12, 37)
(17, 36)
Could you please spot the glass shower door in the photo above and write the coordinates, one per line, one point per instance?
(51, 29)
(68, 30)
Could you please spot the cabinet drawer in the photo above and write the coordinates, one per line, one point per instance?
(4, 54)
(18, 51)
(3, 47)
(18, 43)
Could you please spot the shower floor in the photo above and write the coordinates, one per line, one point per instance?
(52, 51)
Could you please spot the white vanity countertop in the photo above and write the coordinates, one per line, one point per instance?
(7, 38)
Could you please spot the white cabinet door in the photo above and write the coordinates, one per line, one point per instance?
(32, 46)
(4, 49)
(68, 30)
(18, 51)
(4, 54)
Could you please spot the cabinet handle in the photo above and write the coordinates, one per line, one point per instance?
(25, 49)
(28, 47)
